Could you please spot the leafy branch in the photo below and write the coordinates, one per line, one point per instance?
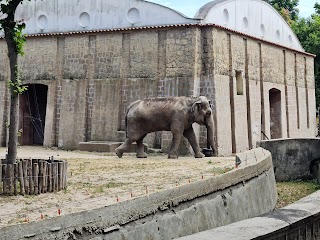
(16, 86)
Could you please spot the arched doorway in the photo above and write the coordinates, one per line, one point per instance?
(275, 113)
(32, 114)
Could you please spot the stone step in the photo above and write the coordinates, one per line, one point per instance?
(101, 146)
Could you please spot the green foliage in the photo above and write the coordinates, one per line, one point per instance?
(308, 32)
(12, 29)
(20, 133)
(317, 8)
(19, 38)
(306, 29)
(16, 86)
(287, 8)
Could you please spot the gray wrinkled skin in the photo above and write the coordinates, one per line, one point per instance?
(176, 114)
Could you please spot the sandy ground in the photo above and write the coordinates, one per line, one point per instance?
(100, 179)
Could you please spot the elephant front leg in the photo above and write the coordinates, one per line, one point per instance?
(191, 136)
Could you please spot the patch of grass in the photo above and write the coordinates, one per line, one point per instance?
(219, 171)
(98, 189)
(113, 185)
(290, 192)
(101, 188)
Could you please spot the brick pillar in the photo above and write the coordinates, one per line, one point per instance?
(58, 91)
(90, 91)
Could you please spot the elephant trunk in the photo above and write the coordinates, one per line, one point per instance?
(210, 133)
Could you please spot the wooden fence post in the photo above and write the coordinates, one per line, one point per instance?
(35, 171)
(33, 176)
(50, 176)
(54, 174)
(45, 178)
(25, 176)
(31, 185)
(5, 178)
(65, 175)
(1, 180)
(40, 176)
(21, 179)
(15, 178)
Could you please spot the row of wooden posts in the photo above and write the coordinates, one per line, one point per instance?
(32, 176)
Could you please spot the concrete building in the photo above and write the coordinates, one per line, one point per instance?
(86, 60)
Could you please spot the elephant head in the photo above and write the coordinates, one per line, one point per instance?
(202, 111)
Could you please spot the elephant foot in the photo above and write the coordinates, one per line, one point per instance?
(199, 155)
(172, 156)
(142, 155)
(119, 152)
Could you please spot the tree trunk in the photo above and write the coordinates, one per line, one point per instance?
(14, 103)
(12, 35)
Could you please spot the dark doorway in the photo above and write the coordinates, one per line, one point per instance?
(275, 113)
(32, 114)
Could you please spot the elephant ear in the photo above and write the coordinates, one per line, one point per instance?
(193, 108)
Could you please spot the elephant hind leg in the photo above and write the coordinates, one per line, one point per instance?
(140, 148)
(123, 148)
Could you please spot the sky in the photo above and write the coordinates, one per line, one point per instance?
(190, 7)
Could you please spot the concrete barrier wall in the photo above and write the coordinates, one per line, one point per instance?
(242, 193)
(300, 220)
(294, 158)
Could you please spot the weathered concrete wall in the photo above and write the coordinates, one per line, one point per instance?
(222, 88)
(72, 113)
(242, 116)
(254, 85)
(238, 58)
(104, 97)
(239, 194)
(113, 69)
(299, 220)
(293, 158)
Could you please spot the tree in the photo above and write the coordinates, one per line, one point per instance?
(308, 32)
(15, 40)
(287, 8)
(317, 8)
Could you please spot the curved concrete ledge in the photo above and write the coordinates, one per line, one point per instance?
(299, 220)
(242, 193)
(294, 158)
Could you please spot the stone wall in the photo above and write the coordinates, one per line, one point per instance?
(299, 220)
(242, 193)
(243, 114)
(294, 159)
(92, 78)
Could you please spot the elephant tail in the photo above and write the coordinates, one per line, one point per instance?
(126, 123)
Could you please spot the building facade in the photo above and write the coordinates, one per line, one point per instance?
(261, 87)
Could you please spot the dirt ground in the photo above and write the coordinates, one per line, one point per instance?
(100, 179)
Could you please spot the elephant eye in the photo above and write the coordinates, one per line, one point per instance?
(208, 113)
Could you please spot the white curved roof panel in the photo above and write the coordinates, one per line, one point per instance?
(253, 17)
(50, 16)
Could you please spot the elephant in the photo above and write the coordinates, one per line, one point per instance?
(175, 114)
